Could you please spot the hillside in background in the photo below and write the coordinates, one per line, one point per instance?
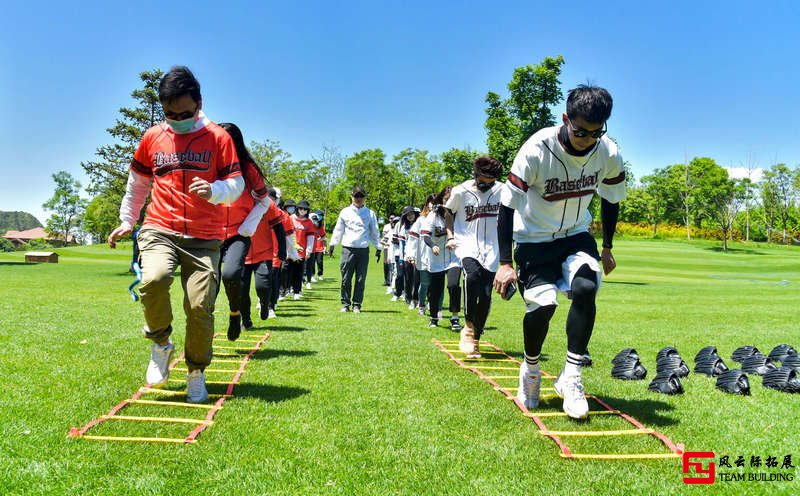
(17, 221)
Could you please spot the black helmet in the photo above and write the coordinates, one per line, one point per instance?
(783, 379)
(624, 355)
(757, 364)
(666, 383)
(705, 352)
(629, 369)
(742, 352)
(781, 352)
(667, 351)
(712, 365)
(672, 363)
(734, 381)
(792, 362)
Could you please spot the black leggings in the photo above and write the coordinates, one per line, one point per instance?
(263, 283)
(234, 251)
(296, 268)
(477, 294)
(436, 290)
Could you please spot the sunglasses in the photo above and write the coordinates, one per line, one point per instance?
(580, 132)
(359, 195)
(179, 117)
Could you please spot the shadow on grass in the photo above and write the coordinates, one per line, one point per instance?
(270, 353)
(380, 311)
(268, 392)
(648, 411)
(16, 263)
(627, 283)
(739, 251)
(302, 313)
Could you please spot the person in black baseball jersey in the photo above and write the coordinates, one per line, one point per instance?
(471, 222)
(545, 212)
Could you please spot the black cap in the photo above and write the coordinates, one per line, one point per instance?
(358, 190)
(289, 203)
(304, 204)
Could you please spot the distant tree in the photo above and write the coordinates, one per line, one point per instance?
(384, 183)
(423, 172)
(66, 204)
(6, 245)
(723, 200)
(659, 195)
(458, 164)
(778, 192)
(101, 217)
(332, 170)
(533, 90)
(271, 158)
(17, 221)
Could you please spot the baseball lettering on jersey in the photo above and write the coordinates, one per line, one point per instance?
(479, 211)
(166, 162)
(557, 189)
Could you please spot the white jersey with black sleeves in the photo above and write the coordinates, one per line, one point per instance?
(550, 190)
(475, 223)
(433, 227)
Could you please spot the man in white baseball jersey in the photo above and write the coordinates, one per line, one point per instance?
(545, 210)
(471, 219)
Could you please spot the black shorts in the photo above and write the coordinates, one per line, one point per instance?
(540, 263)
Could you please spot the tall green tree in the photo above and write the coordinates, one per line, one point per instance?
(423, 173)
(533, 90)
(458, 164)
(385, 185)
(779, 193)
(66, 204)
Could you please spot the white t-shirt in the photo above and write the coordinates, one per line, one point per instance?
(433, 228)
(550, 190)
(475, 223)
(386, 240)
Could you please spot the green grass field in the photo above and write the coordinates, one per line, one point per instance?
(366, 404)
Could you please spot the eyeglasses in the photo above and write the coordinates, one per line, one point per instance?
(359, 195)
(179, 117)
(580, 132)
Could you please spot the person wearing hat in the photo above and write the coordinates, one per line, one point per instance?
(304, 234)
(355, 228)
(471, 223)
(386, 243)
(289, 208)
(318, 256)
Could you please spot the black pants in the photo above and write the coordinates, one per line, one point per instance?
(275, 286)
(411, 282)
(436, 291)
(284, 277)
(296, 268)
(399, 281)
(320, 259)
(234, 250)
(263, 285)
(308, 268)
(477, 293)
(354, 261)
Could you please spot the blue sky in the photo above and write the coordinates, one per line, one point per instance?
(688, 78)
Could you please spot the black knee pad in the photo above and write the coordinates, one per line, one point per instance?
(584, 284)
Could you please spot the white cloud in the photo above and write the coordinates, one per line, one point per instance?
(742, 172)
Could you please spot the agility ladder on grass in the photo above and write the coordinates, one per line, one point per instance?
(145, 395)
(504, 363)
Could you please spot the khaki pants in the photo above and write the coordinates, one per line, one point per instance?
(161, 253)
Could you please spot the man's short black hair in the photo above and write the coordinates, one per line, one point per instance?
(487, 166)
(177, 82)
(592, 103)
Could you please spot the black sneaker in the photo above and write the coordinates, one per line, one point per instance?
(247, 324)
(263, 312)
(434, 323)
(234, 327)
(455, 325)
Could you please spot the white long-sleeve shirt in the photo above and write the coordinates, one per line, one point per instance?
(355, 228)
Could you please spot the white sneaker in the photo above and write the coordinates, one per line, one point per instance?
(196, 387)
(529, 382)
(412, 306)
(421, 311)
(158, 368)
(389, 290)
(281, 298)
(296, 296)
(313, 278)
(356, 309)
(272, 314)
(319, 277)
(394, 298)
(570, 388)
(308, 285)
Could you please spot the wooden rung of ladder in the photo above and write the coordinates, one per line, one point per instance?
(623, 432)
(208, 370)
(183, 381)
(157, 419)
(621, 456)
(169, 392)
(173, 403)
(563, 414)
(141, 439)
